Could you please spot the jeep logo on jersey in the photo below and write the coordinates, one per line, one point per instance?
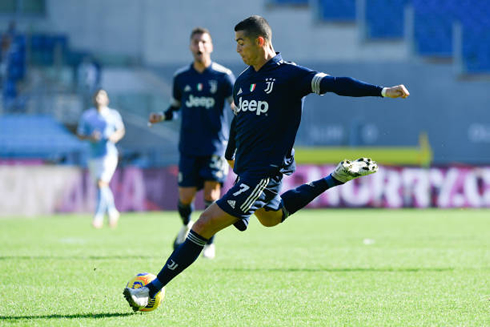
(199, 102)
(259, 107)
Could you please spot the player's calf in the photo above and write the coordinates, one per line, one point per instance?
(296, 199)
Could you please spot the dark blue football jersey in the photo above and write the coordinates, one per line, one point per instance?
(269, 104)
(202, 99)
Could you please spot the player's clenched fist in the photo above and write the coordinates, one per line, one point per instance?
(156, 117)
(399, 91)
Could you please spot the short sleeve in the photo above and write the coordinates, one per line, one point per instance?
(118, 122)
(303, 78)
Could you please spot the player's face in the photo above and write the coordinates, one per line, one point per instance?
(247, 48)
(101, 98)
(201, 47)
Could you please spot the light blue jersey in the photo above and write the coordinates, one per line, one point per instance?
(106, 122)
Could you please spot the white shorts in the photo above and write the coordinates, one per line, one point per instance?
(102, 168)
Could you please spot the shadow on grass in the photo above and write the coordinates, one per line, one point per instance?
(410, 270)
(74, 316)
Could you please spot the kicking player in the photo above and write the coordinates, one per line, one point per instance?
(269, 100)
(103, 127)
(200, 91)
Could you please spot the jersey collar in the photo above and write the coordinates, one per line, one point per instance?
(204, 71)
(273, 62)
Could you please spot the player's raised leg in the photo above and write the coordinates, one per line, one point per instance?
(297, 198)
(211, 221)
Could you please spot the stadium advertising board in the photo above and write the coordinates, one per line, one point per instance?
(37, 190)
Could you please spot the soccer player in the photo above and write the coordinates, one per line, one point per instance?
(200, 92)
(103, 127)
(269, 99)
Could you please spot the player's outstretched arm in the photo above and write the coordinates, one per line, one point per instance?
(348, 86)
(398, 91)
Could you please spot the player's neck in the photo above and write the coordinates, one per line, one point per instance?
(201, 66)
(269, 53)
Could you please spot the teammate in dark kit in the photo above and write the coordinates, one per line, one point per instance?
(269, 99)
(200, 93)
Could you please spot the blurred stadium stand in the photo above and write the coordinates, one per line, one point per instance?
(381, 41)
(435, 22)
(40, 137)
(384, 19)
(288, 2)
(337, 10)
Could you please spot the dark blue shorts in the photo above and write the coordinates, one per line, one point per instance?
(195, 170)
(250, 194)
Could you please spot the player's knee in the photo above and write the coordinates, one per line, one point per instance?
(205, 226)
(211, 198)
(200, 225)
(186, 199)
(212, 195)
(204, 222)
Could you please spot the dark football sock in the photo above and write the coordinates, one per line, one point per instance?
(179, 260)
(295, 199)
(185, 211)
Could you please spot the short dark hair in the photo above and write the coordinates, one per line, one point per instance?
(255, 26)
(199, 30)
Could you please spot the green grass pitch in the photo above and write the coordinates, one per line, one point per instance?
(320, 268)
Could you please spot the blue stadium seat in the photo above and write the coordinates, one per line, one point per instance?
(433, 27)
(434, 21)
(475, 20)
(39, 137)
(289, 2)
(43, 46)
(476, 49)
(385, 19)
(337, 10)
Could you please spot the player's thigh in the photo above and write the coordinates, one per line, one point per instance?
(212, 220)
(187, 194)
(212, 190)
(250, 194)
(102, 168)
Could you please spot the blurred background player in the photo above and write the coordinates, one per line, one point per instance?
(103, 127)
(269, 102)
(200, 91)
